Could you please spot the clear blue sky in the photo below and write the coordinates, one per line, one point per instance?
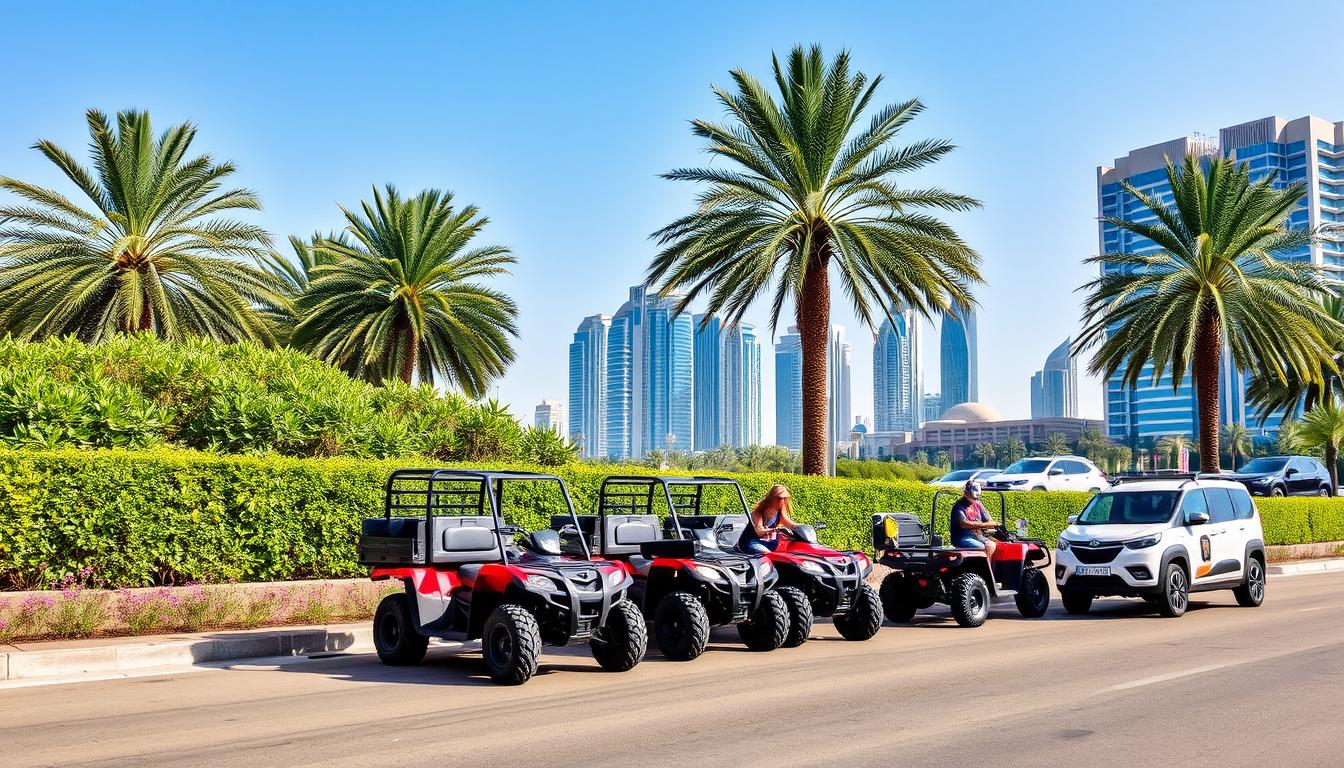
(557, 118)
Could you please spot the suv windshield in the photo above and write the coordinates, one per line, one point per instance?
(1027, 467)
(1129, 508)
(1265, 464)
(960, 474)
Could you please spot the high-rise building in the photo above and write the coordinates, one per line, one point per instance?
(550, 415)
(739, 387)
(587, 386)
(959, 357)
(898, 398)
(625, 378)
(789, 390)
(933, 406)
(1309, 150)
(839, 407)
(1054, 388)
(649, 377)
(708, 395)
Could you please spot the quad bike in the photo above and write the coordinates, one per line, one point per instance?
(825, 582)
(925, 572)
(684, 582)
(442, 534)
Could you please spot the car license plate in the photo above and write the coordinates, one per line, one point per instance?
(1092, 570)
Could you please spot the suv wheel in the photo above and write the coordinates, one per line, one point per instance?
(511, 641)
(800, 616)
(1277, 491)
(394, 634)
(1252, 592)
(620, 644)
(681, 626)
(1324, 491)
(768, 627)
(1175, 597)
(1076, 602)
(864, 618)
(1033, 599)
(898, 599)
(969, 597)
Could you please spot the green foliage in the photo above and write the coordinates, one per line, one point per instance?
(985, 454)
(151, 254)
(1011, 450)
(725, 458)
(1056, 445)
(872, 469)
(139, 392)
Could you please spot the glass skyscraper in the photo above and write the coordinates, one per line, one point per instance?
(739, 387)
(839, 409)
(1054, 388)
(789, 390)
(708, 396)
(648, 377)
(959, 357)
(898, 397)
(587, 386)
(625, 378)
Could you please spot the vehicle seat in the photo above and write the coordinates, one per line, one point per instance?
(463, 539)
(624, 533)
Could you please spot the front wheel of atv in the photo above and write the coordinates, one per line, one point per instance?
(969, 597)
(620, 643)
(394, 633)
(681, 626)
(800, 616)
(768, 627)
(511, 642)
(864, 618)
(898, 599)
(1033, 599)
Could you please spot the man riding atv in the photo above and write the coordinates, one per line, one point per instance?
(969, 518)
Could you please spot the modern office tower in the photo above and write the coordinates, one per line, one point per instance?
(550, 415)
(959, 357)
(1308, 150)
(587, 386)
(933, 406)
(1054, 388)
(625, 379)
(839, 409)
(739, 387)
(649, 377)
(708, 395)
(789, 390)
(898, 400)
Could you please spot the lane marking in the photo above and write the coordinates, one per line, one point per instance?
(1177, 675)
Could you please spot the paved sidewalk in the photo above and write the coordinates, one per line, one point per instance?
(1306, 566)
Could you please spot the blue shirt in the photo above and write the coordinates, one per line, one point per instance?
(967, 511)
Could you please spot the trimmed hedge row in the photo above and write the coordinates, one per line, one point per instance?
(167, 516)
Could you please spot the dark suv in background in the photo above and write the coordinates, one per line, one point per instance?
(1284, 476)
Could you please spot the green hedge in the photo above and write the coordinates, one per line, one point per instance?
(166, 516)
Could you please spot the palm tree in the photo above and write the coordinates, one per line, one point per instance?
(1214, 281)
(1171, 446)
(1056, 445)
(1271, 394)
(943, 459)
(399, 296)
(1238, 440)
(1323, 427)
(985, 454)
(1011, 450)
(1289, 439)
(152, 254)
(806, 190)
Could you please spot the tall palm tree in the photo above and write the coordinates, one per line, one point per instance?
(399, 297)
(1238, 440)
(1270, 395)
(1323, 427)
(806, 190)
(1288, 441)
(1056, 445)
(153, 253)
(1214, 281)
(1170, 446)
(985, 454)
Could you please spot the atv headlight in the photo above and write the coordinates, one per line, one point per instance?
(616, 577)
(766, 566)
(1145, 542)
(537, 581)
(811, 567)
(861, 560)
(705, 571)
(1063, 544)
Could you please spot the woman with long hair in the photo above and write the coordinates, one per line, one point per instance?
(767, 519)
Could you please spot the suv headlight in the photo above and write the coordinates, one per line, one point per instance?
(1262, 481)
(811, 567)
(1145, 542)
(1063, 544)
(713, 574)
(538, 581)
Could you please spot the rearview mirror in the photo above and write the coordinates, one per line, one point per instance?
(1056, 471)
(1196, 518)
(1073, 519)
(569, 530)
(1021, 526)
(1291, 471)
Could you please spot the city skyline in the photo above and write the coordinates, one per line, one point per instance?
(1054, 388)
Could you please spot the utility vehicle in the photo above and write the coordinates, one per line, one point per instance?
(443, 535)
(925, 572)
(820, 581)
(683, 579)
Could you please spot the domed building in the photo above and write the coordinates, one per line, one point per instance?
(966, 425)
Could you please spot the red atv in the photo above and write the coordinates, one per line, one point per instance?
(925, 572)
(825, 582)
(443, 535)
(684, 582)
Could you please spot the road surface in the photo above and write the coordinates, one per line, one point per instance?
(1224, 686)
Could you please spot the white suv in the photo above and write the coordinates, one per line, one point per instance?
(1049, 473)
(1161, 540)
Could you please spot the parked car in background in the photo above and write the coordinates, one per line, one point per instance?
(1284, 476)
(959, 477)
(1049, 473)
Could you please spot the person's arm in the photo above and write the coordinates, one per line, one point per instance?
(786, 522)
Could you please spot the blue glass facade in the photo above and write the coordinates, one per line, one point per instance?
(958, 355)
(622, 364)
(1054, 388)
(707, 392)
(587, 386)
(668, 373)
(740, 387)
(898, 399)
(789, 390)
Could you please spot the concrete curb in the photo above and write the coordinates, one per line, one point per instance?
(1312, 566)
(171, 652)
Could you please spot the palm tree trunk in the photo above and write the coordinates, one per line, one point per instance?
(1208, 360)
(408, 360)
(814, 330)
(146, 321)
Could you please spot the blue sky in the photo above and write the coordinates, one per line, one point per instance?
(556, 120)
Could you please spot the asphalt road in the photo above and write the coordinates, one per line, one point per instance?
(1223, 686)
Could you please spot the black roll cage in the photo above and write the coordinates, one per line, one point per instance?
(690, 500)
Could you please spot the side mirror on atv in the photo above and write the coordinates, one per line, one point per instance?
(542, 542)
(805, 533)
(1020, 527)
(569, 530)
(510, 530)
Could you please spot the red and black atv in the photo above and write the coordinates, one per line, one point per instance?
(443, 535)
(684, 582)
(925, 572)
